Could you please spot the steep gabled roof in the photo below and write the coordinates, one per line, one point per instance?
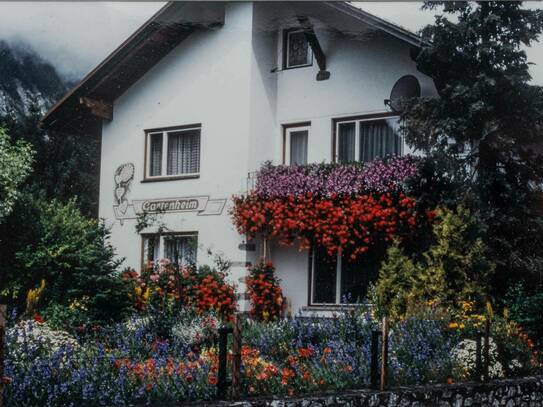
(131, 60)
(91, 99)
(377, 22)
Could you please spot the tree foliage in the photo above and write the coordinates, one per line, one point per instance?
(66, 166)
(452, 270)
(15, 166)
(54, 242)
(484, 127)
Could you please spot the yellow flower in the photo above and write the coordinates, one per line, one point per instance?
(453, 325)
(467, 306)
(33, 296)
(147, 294)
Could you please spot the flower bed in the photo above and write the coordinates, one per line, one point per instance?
(134, 363)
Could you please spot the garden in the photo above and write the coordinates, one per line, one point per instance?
(457, 238)
(166, 351)
(154, 337)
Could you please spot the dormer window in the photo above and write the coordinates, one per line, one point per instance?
(296, 50)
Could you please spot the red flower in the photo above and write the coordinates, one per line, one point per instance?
(6, 380)
(305, 352)
(352, 223)
(38, 318)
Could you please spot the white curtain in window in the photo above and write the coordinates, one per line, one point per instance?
(183, 152)
(180, 249)
(150, 248)
(346, 142)
(377, 140)
(298, 147)
(155, 155)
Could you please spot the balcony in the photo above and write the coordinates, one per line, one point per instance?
(327, 180)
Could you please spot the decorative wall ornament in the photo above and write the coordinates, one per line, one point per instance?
(125, 209)
(124, 174)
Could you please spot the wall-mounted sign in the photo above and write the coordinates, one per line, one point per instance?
(183, 204)
(123, 209)
(200, 204)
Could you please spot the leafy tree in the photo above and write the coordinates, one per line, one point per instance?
(452, 270)
(66, 166)
(15, 166)
(70, 252)
(484, 127)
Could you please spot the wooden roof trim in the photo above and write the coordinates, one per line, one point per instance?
(94, 83)
(105, 62)
(378, 23)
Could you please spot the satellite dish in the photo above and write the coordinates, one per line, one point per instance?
(406, 87)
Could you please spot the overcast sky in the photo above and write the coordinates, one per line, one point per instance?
(75, 37)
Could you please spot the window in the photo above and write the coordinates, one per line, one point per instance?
(367, 139)
(339, 280)
(295, 144)
(179, 248)
(173, 152)
(296, 50)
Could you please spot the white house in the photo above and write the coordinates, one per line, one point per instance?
(205, 92)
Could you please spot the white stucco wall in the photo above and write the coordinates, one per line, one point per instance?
(230, 80)
(203, 80)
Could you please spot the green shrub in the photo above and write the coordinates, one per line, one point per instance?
(527, 310)
(72, 254)
(452, 270)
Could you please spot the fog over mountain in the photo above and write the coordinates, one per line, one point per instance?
(26, 79)
(44, 47)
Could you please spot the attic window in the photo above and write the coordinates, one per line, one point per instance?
(296, 50)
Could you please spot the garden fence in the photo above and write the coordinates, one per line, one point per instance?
(379, 358)
(3, 309)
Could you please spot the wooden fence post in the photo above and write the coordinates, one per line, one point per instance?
(236, 360)
(486, 349)
(3, 311)
(478, 357)
(384, 355)
(222, 380)
(374, 365)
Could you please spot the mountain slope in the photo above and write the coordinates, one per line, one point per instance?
(26, 79)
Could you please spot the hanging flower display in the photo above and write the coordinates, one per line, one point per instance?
(325, 180)
(338, 207)
(348, 223)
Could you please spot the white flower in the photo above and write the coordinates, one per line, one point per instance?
(464, 353)
(40, 338)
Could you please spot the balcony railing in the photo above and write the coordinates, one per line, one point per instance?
(332, 179)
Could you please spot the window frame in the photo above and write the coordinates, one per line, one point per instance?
(165, 131)
(357, 119)
(287, 129)
(286, 38)
(161, 245)
(311, 284)
(312, 303)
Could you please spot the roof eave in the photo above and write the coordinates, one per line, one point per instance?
(379, 23)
